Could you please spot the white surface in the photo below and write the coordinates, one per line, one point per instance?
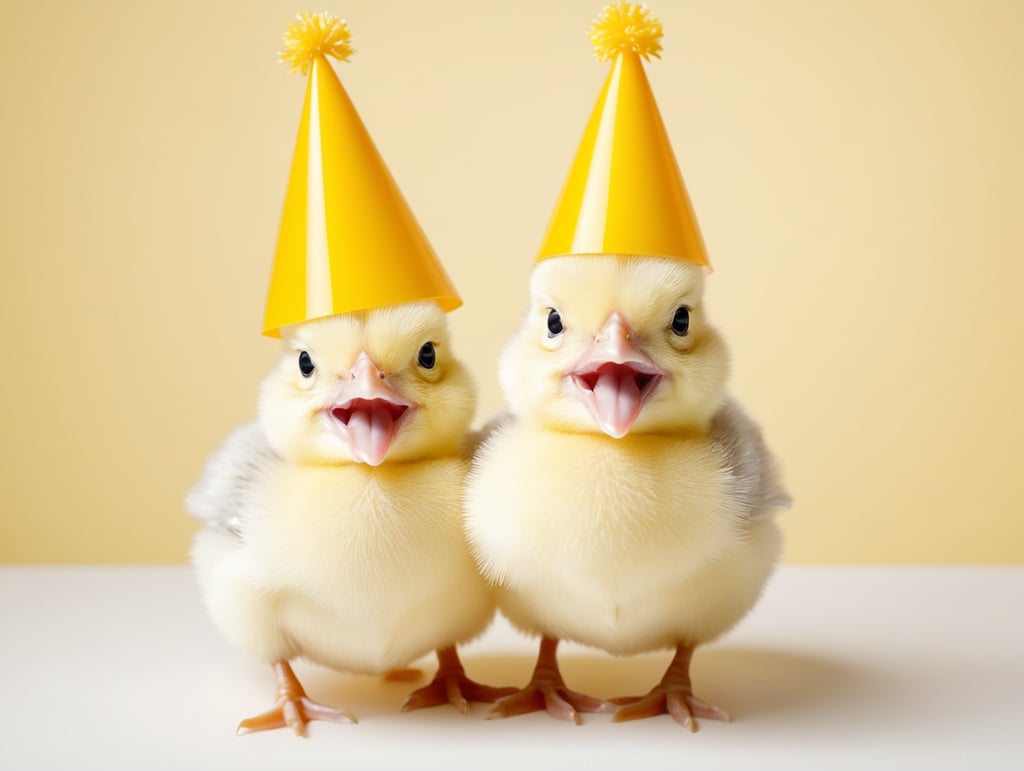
(836, 668)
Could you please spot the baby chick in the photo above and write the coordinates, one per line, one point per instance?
(628, 506)
(333, 522)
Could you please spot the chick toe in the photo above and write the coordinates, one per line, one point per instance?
(547, 692)
(451, 686)
(292, 708)
(403, 675)
(551, 696)
(673, 695)
(677, 701)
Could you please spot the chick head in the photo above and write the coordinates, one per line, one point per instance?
(368, 386)
(615, 345)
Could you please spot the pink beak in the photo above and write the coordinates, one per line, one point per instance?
(368, 412)
(614, 378)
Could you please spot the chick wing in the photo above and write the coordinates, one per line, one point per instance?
(738, 439)
(227, 495)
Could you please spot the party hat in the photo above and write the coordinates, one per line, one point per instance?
(348, 240)
(624, 194)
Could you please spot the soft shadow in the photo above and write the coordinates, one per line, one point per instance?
(361, 694)
(744, 681)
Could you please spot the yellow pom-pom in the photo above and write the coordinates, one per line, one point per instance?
(624, 26)
(312, 35)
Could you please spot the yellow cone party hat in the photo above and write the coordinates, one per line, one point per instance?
(348, 240)
(624, 194)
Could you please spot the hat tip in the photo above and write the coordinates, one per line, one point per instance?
(312, 35)
(626, 27)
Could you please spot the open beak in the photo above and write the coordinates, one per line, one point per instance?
(614, 378)
(368, 412)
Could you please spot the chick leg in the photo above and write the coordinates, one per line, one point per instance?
(291, 707)
(674, 695)
(451, 686)
(546, 691)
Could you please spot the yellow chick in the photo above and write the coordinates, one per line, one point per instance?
(628, 506)
(333, 522)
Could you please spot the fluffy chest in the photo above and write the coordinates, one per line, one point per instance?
(359, 526)
(567, 509)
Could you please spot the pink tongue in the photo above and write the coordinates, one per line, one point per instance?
(371, 430)
(617, 401)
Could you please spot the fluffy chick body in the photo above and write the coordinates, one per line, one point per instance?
(352, 567)
(308, 552)
(628, 545)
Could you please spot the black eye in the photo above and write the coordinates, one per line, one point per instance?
(306, 366)
(681, 321)
(555, 327)
(428, 356)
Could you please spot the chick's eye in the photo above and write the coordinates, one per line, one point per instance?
(555, 326)
(306, 365)
(428, 356)
(681, 321)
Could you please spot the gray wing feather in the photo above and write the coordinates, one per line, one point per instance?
(229, 492)
(754, 470)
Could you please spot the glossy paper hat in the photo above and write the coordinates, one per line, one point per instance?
(624, 194)
(348, 240)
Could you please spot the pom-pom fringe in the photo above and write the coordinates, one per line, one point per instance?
(312, 35)
(624, 26)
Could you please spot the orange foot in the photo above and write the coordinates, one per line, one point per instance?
(451, 686)
(405, 675)
(673, 695)
(291, 707)
(546, 691)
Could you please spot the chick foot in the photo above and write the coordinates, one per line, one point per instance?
(673, 695)
(451, 686)
(404, 675)
(546, 691)
(291, 707)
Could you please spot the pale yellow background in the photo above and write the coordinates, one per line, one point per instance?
(856, 167)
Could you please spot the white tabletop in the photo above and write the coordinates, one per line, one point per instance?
(837, 667)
